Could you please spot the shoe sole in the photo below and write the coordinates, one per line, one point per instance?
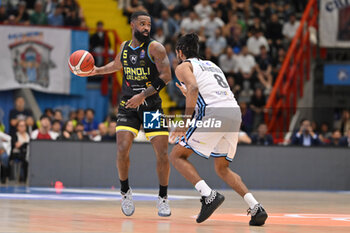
(218, 205)
(128, 214)
(164, 215)
(260, 220)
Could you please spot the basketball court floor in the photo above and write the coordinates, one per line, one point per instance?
(24, 209)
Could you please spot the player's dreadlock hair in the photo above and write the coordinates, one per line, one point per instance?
(136, 14)
(189, 45)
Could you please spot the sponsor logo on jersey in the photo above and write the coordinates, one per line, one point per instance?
(142, 54)
(133, 59)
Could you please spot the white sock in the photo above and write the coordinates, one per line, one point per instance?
(248, 197)
(203, 188)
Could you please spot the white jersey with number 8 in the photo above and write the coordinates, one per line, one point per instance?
(212, 84)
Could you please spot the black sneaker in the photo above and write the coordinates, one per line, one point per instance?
(209, 205)
(258, 214)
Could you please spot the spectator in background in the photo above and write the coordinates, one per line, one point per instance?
(261, 8)
(90, 125)
(102, 131)
(203, 9)
(211, 24)
(277, 62)
(20, 150)
(170, 52)
(324, 134)
(159, 35)
(190, 24)
(56, 129)
(73, 19)
(49, 112)
(170, 4)
(58, 116)
(80, 115)
(343, 124)
(255, 42)
(241, 6)
(233, 86)
(38, 17)
(5, 149)
(247, 117)
(68, 131)
(256, 26)
(228, 62)
(154, 7)
(132, 6)
(257, 105)
(336, 138)
(22, 17)
(217, 43)
(264, 70)
(51, 6)
(274, 34)
(3, 14)
(111, 134)
(261, 137)
(98, 40)
(345, 141)
(44, 131)
(19, 113)
(236, 40)
(208, 55)
(290, 28)
(72, 115)
(184, 8)
(168, 24)
(79, 130)
(56, 17)
(223, 8)
(246, 66)
(305, 136)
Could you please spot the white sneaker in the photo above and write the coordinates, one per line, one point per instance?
(128, 207)
(163, 207)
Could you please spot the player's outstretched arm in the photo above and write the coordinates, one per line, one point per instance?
(111, 67)
(161, 60)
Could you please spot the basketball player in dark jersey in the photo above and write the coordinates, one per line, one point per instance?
(146, 71)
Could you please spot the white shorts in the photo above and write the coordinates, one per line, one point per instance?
(215, 142)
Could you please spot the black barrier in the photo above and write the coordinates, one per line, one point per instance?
(88, 164)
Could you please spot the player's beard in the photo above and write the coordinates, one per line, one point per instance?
(140, 37)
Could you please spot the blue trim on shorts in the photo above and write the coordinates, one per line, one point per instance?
(195, 151)
(220, 155)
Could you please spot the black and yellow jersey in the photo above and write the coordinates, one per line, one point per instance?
(139, 70)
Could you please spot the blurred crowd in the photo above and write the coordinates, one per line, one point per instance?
(247, 39)
(80, 125)
(41, 12)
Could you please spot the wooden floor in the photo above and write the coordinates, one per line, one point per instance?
(98, 210)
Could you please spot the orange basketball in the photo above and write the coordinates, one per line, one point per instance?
(81, 62)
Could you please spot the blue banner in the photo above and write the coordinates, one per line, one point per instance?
(336, 74)
(79, 40)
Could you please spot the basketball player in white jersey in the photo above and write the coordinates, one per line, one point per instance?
(208, 97)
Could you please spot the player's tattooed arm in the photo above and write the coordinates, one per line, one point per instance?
(161, 60)
(111, 67)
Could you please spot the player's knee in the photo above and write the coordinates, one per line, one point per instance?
(162, 157)
(221, 169)
(122, 150)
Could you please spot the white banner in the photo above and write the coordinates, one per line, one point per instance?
(35, 57)
(334, 23)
